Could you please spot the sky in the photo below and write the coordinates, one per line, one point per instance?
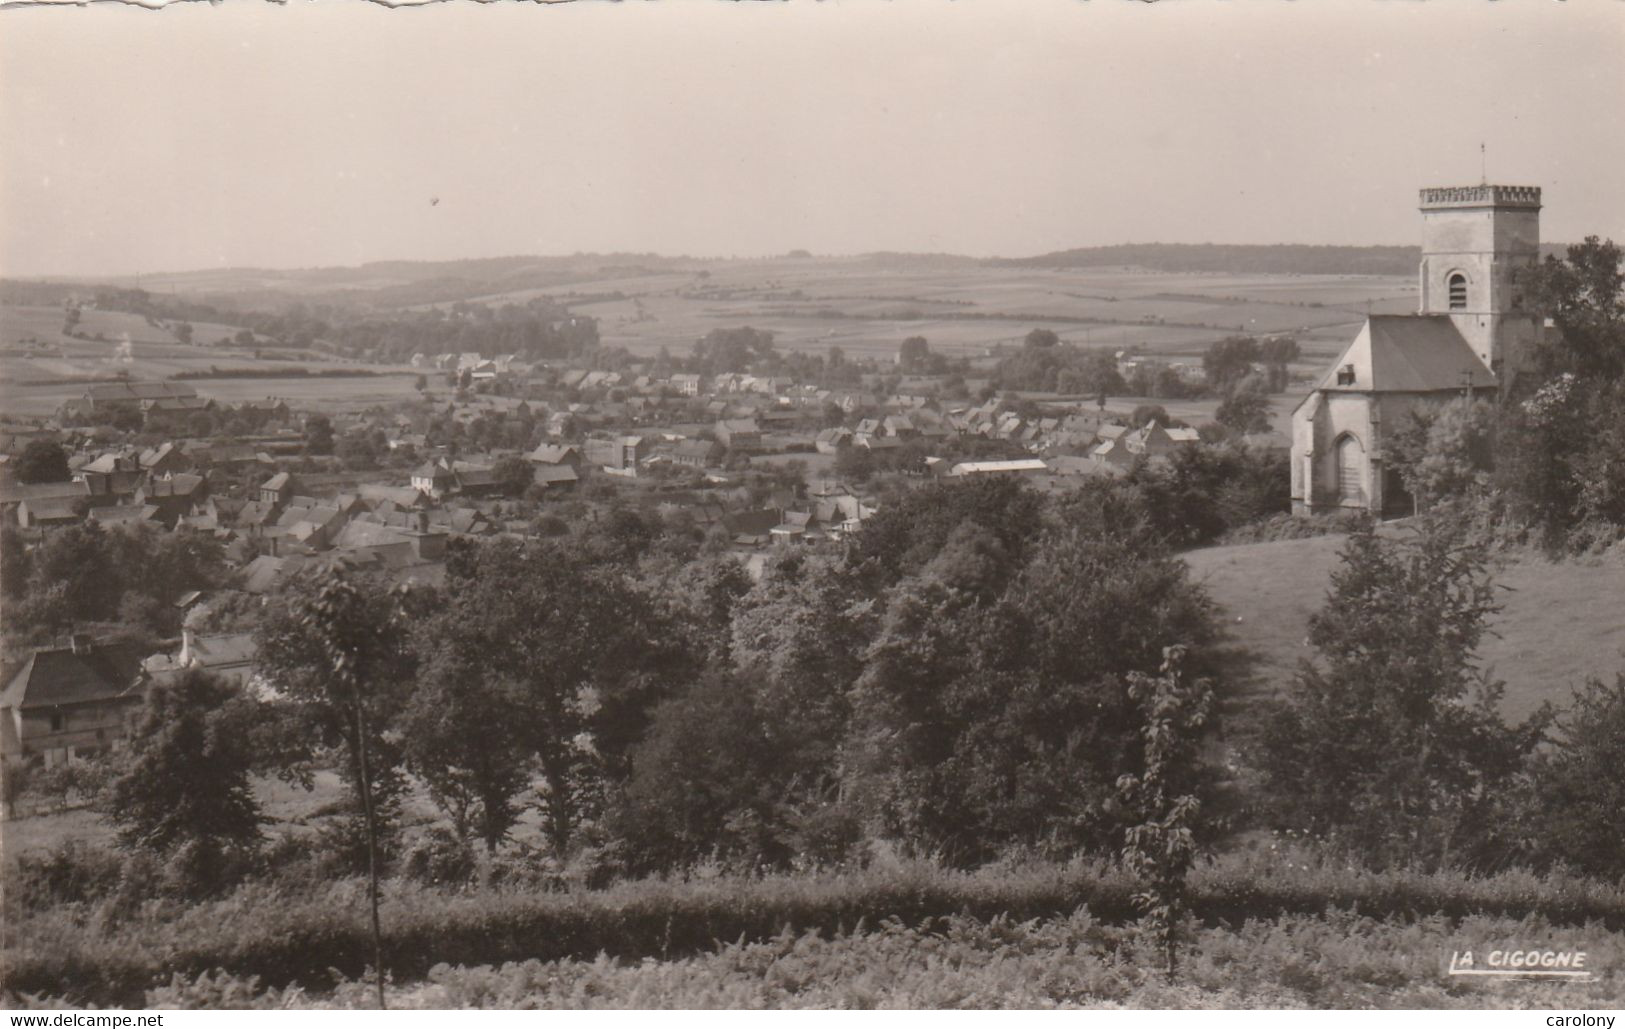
(334, 132)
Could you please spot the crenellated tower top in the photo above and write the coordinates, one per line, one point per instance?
(1481, 196)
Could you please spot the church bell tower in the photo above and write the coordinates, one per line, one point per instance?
(1475, 239)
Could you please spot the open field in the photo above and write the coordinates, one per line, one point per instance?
(867, 307)
(305, 392)
(1560, 622)
(40, 367)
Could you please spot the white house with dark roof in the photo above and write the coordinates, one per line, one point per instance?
(1470, 337)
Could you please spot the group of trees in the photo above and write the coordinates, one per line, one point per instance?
(1391, 744)
(1547, 456)
(1045, 364)
(958, 683)
(85, 574)
(1243, 372)
(41, 461)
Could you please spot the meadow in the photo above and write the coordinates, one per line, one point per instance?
(1559, 623)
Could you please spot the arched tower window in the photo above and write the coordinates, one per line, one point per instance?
(1458, 292)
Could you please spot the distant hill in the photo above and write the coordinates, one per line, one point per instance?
(1273, 259)
(1240, 259)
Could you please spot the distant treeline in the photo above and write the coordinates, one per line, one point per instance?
(273, 373)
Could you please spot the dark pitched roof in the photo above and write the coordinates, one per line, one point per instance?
(1409, 354)
(58, 676)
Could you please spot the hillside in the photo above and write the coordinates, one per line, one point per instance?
(1238, 259)
(1557, 626)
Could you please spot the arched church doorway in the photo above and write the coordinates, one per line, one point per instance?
(1350, 472)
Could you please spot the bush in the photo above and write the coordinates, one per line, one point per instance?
(70, 873)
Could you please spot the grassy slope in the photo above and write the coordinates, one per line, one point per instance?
(1560, 624)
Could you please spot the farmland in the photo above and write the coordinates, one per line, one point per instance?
(864, 305)
(867, 307)
(40, 367)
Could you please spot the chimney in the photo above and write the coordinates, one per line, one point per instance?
(80, 642)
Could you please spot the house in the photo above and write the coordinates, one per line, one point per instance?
(172, 497)
(621, 454)
(278, 489)
(830, 441)
(555, 477)
(130, 396)
(65, 704)
(1113, 453)
(47, 511)
(697, 453)
(555, 454)
(741, 435)
(687, 385)
(1025, 466)
(111, 475)
(1471, 336)
(223, 456)
(472, 480)
(434, 479)
(229, 656)
(176, 405)
(166, 459)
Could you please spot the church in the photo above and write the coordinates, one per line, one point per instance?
(1469, 337)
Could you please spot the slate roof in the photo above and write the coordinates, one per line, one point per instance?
(16, 492)
(549, 474)
(548, 453)
(1409, 354)
(58, 676)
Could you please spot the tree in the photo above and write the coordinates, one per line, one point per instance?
(318, 434)
(1392, 742)
(854, 464)
(1246, 408)
(183, 332)
(1041, 339)
(515, 475)
(1447, 454)
(1228, 361)
(42, 461)
(705, 781)
(463, 742)
(1584, 294)
(1560, 444)
(913, 354)
(578, 655)
(985, 723)
(342, 654)
(1145, 414)
(1578, 793)
(1277, 352)
(1162, 799)
(185, 790)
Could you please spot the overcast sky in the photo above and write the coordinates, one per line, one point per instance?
(316, 133)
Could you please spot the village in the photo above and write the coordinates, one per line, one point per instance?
(747, 463)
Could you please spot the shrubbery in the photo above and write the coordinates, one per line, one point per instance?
(302, 934)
